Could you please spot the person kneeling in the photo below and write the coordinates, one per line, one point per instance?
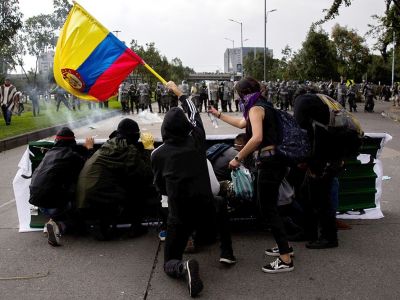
(53, 183)
(115, 182)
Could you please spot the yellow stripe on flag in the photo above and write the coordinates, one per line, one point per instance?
(80, 35)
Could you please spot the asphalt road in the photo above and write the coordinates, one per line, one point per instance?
(365, 266)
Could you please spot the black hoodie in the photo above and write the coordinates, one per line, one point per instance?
(179, 164)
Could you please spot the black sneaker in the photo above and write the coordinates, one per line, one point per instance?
(53, 233)
(227, 257)
(275, 251)
(322, 244)
(278, 266)
(194, 282)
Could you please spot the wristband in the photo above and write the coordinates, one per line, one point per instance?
(219, 115)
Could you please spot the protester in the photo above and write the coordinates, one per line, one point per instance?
(60, 96)
(322, 169)
(180, 172)
(7, 92)
(53, 184)
(34, 97)
(133, 99)
(261, 130)
(116, 182)
(220, 162)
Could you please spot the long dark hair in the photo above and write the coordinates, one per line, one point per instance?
(247, 85)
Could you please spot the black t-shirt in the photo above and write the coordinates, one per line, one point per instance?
(270, 128)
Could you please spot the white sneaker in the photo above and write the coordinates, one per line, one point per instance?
(278, 266)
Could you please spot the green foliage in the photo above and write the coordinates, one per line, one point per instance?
(353, 54)
(254, 67)
(173, 70)
(10, 22)
(316, 60)
(61, 10)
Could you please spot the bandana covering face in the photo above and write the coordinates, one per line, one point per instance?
(247, 102)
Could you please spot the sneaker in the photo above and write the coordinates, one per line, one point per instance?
(275, 251)
(53, 232)
(322, 244)
(162, 235)
(227, 257)
(278, 266)
(194, 282)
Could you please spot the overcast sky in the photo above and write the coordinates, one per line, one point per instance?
(194, 31)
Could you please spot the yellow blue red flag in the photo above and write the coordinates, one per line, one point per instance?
(90, 62)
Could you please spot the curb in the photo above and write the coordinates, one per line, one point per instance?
(23, 139)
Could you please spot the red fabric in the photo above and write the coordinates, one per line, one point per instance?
(114, 75)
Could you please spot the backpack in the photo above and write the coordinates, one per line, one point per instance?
(344, 130)
(293, 143)
(216, 150)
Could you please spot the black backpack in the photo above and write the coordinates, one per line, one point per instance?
(293, 142)
(216, 150)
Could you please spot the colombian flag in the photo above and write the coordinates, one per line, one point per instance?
(90, 62)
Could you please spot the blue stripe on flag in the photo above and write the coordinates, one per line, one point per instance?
(102, 57)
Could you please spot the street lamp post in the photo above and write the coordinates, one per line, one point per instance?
(229, 54)
(394, 48)
(265, 36)
(241, 43)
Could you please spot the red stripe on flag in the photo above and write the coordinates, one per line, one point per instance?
(107, 84)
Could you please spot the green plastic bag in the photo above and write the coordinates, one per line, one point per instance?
(243, 183)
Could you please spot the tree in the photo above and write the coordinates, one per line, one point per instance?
(61, 10)
(387, 26)
(173, 70)
(254, 66)
(317, 58)
(353, 54)
(10, 22)
(39, 36)
(333, 10)
(383, 32)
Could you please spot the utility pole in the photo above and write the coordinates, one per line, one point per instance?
(116, 32)
(265, 37)
(394, 48)
(241, 43)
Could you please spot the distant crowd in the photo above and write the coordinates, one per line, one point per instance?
(136, 97)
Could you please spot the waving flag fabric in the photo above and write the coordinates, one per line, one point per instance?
(90, 62)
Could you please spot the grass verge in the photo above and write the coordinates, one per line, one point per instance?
(49, 117)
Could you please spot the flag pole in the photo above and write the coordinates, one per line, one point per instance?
(164, 82)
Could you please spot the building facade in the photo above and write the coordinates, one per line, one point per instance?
(45, 63)
(232, 57)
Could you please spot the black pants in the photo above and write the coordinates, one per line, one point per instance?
(369, 104)
(204, 222)
(6, 114)
(269, 178)
(203, 101)
(318, 209)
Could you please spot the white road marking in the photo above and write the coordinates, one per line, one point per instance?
(9, 202)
